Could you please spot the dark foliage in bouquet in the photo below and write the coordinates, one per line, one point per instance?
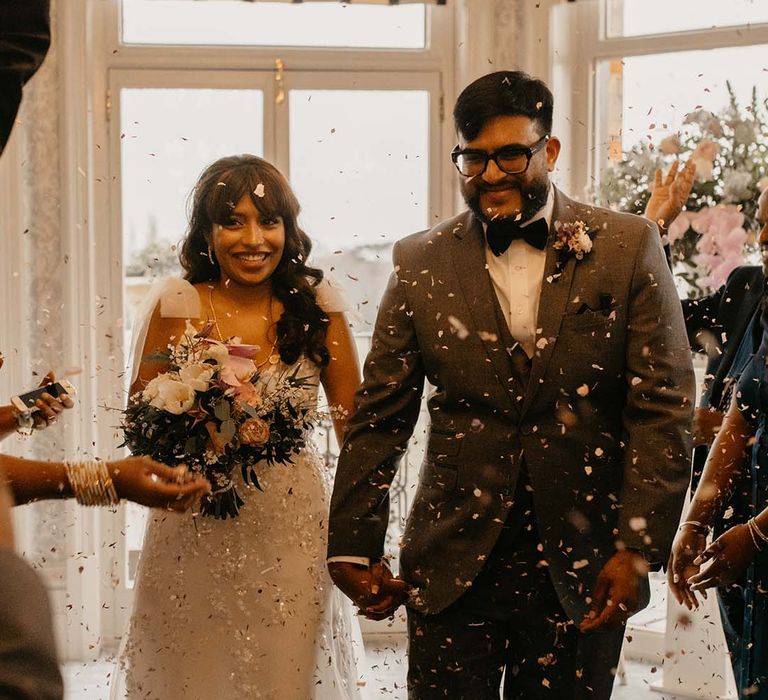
(213, 411)
(730, 150)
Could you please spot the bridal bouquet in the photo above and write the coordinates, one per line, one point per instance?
(214, 412)
(730, 151)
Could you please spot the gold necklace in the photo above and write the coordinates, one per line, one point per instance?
(272, 359)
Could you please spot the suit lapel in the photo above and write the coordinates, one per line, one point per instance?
(555, 292)
(468, 258)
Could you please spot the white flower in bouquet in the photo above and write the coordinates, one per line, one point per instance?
(170, 394)
(215, 351)
(197, 375)
(737, 185)
(153, 387)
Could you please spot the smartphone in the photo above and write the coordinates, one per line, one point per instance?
(25, 403)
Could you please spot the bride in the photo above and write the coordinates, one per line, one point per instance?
(243, 608)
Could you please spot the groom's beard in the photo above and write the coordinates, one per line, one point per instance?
(533, 196)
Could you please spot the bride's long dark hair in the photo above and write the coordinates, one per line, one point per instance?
(303, 325)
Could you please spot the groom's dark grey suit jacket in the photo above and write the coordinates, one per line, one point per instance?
(602, 428)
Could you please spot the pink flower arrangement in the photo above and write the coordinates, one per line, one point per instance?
(720, 249)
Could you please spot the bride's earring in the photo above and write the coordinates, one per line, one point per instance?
(210, 254)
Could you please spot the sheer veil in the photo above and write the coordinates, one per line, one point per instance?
(177, 299)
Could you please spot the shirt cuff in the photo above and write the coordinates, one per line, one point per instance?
(362, 561)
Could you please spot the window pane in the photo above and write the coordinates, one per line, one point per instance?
(641, 17)
(359, 161)
(237, 23)
(168, 137)
(649, 96)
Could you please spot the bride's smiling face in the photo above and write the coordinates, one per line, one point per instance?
(249, 244)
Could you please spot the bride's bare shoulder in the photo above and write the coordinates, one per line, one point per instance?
(178, 298)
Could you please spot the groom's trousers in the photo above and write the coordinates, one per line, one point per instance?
(509, 622)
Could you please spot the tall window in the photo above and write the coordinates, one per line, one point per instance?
(353, 117)
(643, 65)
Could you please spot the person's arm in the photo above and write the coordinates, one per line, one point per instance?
(387, 408)
(155, 357)
(48, 410)
(6, 520)
(657, 419)
(727, 459)
(341, 377)
(28, 664)
(659, 407)
(669, 194)
(138, 479)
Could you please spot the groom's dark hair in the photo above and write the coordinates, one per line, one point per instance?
(504, 93)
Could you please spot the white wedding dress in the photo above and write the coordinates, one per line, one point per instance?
(244, 608)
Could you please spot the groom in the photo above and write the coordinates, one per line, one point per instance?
(557, 456)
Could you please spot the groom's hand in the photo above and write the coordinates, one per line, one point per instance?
(617, 593)
(373, 589)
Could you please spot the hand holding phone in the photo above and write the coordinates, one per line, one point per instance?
(42, 405)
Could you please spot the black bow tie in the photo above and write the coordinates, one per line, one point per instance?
(502, 232)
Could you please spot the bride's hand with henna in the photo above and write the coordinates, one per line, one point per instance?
(149, 483)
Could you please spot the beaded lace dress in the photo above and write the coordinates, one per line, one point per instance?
(244, 607)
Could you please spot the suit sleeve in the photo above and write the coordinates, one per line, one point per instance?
(700, 316)
(24, 39)
(659, 407)
(386, 410)
(28, 666)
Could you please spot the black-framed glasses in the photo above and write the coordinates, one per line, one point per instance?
(512, 160)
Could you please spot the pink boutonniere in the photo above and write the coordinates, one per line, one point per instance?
(572, 240)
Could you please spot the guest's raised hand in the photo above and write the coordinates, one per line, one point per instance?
(617, 592)
(728, 556)
(145, 481)
(48, 406)
(688, 545)
(669, 194)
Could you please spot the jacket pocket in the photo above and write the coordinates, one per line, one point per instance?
(439, 476)
(589, 320)
(443, 445)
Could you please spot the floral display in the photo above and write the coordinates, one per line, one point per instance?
(730, 151)
(214, 412)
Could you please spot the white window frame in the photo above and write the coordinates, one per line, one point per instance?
(578, 42)
(94, 64)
